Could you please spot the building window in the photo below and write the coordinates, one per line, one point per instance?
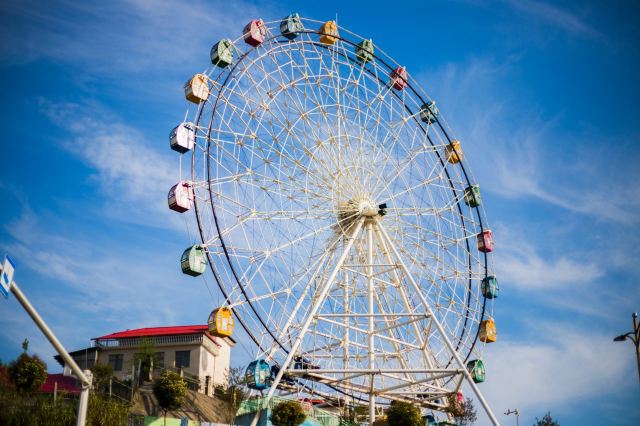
(115, 361)
(159, 360)
(183, 359)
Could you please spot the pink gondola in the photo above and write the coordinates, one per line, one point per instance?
(181, 196)
(485, 241)
(398, 78)
(254, 32)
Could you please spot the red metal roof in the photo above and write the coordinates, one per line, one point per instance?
(156, 331)
(65, 383)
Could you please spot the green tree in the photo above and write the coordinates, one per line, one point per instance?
(28, 373)
(102, 373)
(233, 393)
(467, 416)
(288, 413)
(402, 413)
(546, 421)
(169, 389)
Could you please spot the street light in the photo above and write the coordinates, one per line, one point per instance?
(516, 412)
(634, 336)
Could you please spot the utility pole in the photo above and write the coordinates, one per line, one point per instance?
(634, 336)
(9, 285)
(516, 412)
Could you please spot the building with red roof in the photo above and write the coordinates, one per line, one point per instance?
(190, 350)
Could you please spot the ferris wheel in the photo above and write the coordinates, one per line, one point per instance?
(337, 217)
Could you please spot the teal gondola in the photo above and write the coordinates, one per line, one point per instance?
(291, 26)
(490, 288)
(472, 196)
(257, 375)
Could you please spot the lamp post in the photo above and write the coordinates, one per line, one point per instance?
(634, 336)
(516, 412)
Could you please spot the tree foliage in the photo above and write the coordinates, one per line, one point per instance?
(105, 412)
(28, 373)
(288, 413)
(402, 413)
(102, 373)
(233, 393)
(546, 421)
(169, 389)
(468, 415)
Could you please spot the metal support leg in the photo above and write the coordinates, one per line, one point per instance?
(440, 329)
(372, 355)
(314, 310)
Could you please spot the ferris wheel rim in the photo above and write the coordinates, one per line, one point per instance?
(414, 88)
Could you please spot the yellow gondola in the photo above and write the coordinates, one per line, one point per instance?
(197, 90)
(488, 331)
(328, 32)
(221, 322)
(454, 152)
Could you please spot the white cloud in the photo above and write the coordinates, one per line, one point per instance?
(518, 153)
(554, 16)
(555, 368)
(132, 173)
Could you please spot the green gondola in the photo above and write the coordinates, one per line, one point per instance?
(364, 51)
(222, 53)
(194, 261)
(472, 196)
(476, 369)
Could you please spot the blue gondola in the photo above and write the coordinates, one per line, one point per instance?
(258, 374)
(291, 26)
(429, 112)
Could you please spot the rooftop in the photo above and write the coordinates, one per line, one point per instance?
(156, 331)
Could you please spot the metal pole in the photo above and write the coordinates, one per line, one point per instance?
(86, 381)
(636, 335)
(441, 330)
(372, 357)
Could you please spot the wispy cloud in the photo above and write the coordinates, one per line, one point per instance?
(133, 174)
(518, 153)
(552, 368)
(554, 16)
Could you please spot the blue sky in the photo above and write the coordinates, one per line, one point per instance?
(544, 96)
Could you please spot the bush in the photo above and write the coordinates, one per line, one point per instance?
(288, 413)
(104, 412)
(546, 421)
(28, 373)
(169, 389)
(403, 414)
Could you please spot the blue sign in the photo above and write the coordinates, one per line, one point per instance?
(8, 267)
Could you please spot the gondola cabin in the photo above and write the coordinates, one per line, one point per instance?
(476, 370)
(430, 420)
(183, 137)
(291, 26)
(329, 32)
(254, 32)
(257, 375)
(193, 261)
(429, 112)
(222, 53)
(364, 51)
(488, 331)
(180, 196)
(485, 241)
(454, 152)
(398, 78)
(460, 397)
(490, 287)
(196, 90)
(221, 322)
(472, 196)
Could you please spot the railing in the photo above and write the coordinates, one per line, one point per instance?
(131, 342)
(252, 405)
